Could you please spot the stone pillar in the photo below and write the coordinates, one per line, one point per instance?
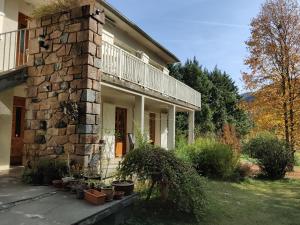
(139, 114)
(171, 127)
(64, 91)
(191, 135)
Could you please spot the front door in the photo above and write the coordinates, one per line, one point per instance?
(120, 129)
(22, 41)
(17, 131)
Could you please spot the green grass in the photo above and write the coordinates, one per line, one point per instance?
(252, 202)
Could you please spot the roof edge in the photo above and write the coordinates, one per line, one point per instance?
(137, 28)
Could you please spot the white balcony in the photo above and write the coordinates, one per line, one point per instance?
(13, 49)
(115, 62)
(125, 66)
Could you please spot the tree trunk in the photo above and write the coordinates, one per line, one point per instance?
(150, 190)
(291, 116)
(285, 113)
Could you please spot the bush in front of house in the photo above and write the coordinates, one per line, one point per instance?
(211, 158)
(44, 171)
(175, 181)
(272, 154)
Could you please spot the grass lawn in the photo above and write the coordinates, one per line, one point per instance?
(252, 202)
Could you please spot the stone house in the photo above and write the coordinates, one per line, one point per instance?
(71, 79)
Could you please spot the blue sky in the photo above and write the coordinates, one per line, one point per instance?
(212, 30)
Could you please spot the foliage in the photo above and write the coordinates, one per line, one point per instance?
(242, 171)
(272, 154)
(229, 137)
(44, 171)
(247, 203)
(54, 6)
(274, 59)
(210, 157)
(176, 181)
(297, 159)
(219, 103)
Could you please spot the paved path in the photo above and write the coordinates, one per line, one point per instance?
(41, 205)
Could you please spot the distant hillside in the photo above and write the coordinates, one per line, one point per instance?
(248, 97)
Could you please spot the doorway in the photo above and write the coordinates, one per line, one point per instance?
(152, 128)
(120, 131)
(18, 122)
(22, 40)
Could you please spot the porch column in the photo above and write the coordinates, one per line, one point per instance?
(171, 127)
(191, 136)
(139, 114)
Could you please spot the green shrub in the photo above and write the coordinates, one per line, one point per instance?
(44, 171)
(297, 159)
(272, 155)
(210, 158)
(176, 181)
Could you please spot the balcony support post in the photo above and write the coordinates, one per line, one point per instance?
(191, 134)
(171, 127)
(139, 114)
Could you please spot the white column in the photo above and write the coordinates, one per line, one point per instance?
(139, 113)
(171, 127)
(2, 14)
(191, 136)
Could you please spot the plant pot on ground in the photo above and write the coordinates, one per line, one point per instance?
(80, 188)
(127, 186)
(57, 183)
(118, 195)
(108, 190)
(94, 197)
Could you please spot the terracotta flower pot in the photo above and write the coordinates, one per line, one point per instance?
(118, 195)
(126, 186)
(95, 197)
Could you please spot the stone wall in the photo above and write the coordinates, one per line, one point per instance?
(64, 92)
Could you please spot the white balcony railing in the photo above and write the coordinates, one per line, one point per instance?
(13, 49)
(117, 62)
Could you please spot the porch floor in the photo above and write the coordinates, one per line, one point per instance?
(42, 205)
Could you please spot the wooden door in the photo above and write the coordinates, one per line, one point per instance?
(152, 128)
(22, 40)
(120, 129)
(17, 131)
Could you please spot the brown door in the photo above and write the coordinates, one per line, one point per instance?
(152, 128)
(17, 131)
(120, 135)
(22, 40)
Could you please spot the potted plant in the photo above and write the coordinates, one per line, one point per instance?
(57, 183)
(126, 186)
(108, 190)
(80, 188)
(95, 197)
(118, 195)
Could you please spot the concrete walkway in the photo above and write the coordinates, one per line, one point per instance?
(41, 205)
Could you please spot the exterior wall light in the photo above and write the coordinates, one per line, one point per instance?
(41, 40)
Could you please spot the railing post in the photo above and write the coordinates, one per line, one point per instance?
(119, 62)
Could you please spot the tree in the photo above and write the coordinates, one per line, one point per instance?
(220, 99)
(274, 48)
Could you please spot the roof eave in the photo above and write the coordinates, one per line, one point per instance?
(138, 29)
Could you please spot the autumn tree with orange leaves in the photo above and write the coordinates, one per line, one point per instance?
(274, 62)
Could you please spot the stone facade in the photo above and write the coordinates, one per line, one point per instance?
(64, 92)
